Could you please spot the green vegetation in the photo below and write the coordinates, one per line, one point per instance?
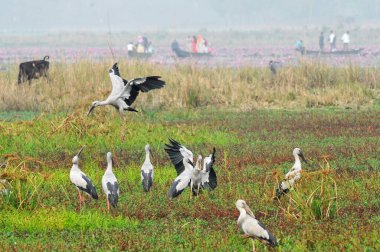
(335, 206)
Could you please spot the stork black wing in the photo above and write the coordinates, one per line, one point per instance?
(212, 179)
(144, 85)
(116, 69)
(173, 150)
(90, 188)
(272, 240)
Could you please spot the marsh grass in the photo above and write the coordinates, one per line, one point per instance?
(310, 84)
(338, 197)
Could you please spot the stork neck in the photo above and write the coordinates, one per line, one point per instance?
(102, 103)
(75, 167)
(109, 165)
(242, 211)
(297, 162)
(147, 156)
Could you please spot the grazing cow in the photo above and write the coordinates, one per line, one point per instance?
(33, 70)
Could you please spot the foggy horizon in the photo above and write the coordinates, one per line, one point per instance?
(98, 15)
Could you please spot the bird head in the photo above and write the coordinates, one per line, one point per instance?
(94, 105)
(147, 148)
(76, 157)
(298, 152)
(240, 204)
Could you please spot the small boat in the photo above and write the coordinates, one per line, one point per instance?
(184, 54)
(137, 55)
(326, 53)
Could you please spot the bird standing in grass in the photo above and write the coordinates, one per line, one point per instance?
(81, 180)
(252, 227)
(182, 159)
(124, 92)
(147, 171)
(110, 185)
(293, 175)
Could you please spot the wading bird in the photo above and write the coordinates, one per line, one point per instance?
(81, 181)
(110, 185)
(147, 171)
(182, 159)
(124, 92)
(293, 175)
(274, 66)
(252, 227)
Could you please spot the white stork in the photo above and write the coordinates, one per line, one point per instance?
(81, 180)
(252, 227)
(182, 159)
(147, 171)
(110, 185)
(124, 92)
(293, 175)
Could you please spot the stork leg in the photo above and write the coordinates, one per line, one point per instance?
(253, 245)
(198, 190)
(122, 127)
(108, 205)
(191, 190)
(81, 200)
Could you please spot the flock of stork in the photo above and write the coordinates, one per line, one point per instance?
(198, 177)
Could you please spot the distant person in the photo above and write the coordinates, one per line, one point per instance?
(150, 47)
(205, 44)
(194, 44)
(131, 48)
(300, 47)
(321, 42)
(200, 45)
(332, 40)
(346, 40)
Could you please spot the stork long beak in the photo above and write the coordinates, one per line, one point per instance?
(302, 157)
(248, 210)
(80, 151)
(90, 110)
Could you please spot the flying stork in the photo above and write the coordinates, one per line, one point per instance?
(252, 227)
(187, 175)
(110, 185)
(124, 92)
(293, 175)
(81, 180)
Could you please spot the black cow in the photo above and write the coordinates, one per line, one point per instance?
(33, 70)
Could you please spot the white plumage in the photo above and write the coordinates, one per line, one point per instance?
(293, 175)
(147, 171)
(252, 227)
(124, 92)
(81, 180)
(182, 159)
(110, 184)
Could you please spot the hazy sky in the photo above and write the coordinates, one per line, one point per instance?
(127, 15)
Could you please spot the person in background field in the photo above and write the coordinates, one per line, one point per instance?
(194, 44)
(200, 44)
(321, 42)
(131, 48)
(332, 41)
(300, 47)
(346, 40)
